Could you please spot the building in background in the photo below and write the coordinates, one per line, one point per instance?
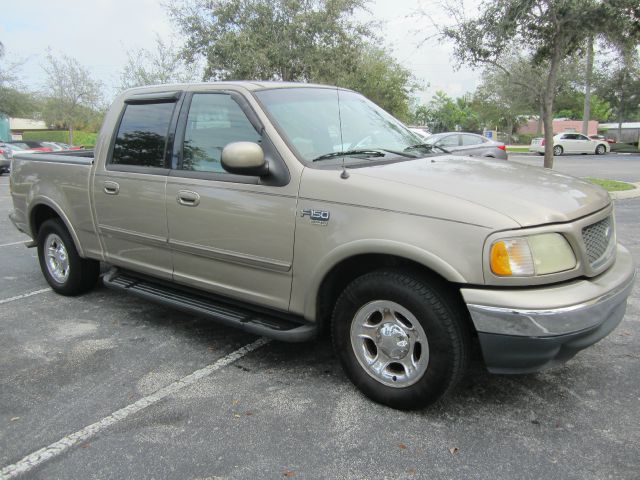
(18, 126)
(559, 126)
(627, 132)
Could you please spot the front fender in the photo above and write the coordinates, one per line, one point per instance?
(374, 246)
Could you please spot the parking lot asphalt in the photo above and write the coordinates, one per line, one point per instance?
(612, 166)
(282, 410)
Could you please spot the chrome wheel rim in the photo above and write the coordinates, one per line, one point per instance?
(557, 151)
(56, 258)
(389, 343)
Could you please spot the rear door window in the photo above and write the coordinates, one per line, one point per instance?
(142, 135)
(468, 140)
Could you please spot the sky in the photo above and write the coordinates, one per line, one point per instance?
(99, 33)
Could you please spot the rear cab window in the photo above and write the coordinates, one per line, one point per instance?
(142, 137)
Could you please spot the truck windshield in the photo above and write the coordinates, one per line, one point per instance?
(312, 119)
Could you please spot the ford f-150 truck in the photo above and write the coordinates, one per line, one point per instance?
(284, 208)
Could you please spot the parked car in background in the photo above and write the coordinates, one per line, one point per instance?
(469, 144)
(56, 147)
(602, 137)
(571, 143)
(6, 154)
(32, 145)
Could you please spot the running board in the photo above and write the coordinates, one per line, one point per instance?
(282, 327)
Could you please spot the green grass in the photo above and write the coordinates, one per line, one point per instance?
(624, 148)
(517, 149)
(610, 185)
(87, 139)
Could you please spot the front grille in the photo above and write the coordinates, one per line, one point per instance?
(597, 238)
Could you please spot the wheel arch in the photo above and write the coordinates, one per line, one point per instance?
(43, 209)
(346, 264)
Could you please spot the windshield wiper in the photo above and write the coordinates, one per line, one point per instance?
(363, 151)
(427, 146)
(368, 152)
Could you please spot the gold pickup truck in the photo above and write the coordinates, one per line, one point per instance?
(284, 209)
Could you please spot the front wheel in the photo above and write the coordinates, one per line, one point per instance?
(65, 271)
(557, 150)
(400, 339)
(601, 150)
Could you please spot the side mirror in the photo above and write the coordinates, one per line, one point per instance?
(244, 158)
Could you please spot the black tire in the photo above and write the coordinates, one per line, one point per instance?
(81, 273)
(601, 150)
(558, 150)
(440, 317)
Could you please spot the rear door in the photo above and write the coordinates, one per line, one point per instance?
(473, 145)
(230, 234)
(129, 190)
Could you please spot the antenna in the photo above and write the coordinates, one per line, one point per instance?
(344, 175)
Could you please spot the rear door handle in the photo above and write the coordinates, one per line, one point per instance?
(111, 188)
(188, 198)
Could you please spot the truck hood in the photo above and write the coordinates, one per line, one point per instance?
(528, 195)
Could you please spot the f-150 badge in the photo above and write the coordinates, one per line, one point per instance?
(317, 217)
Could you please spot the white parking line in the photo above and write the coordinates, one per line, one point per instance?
(24, 295)
(40, 456)
(14, 243)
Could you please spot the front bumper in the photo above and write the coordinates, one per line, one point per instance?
(527, 330)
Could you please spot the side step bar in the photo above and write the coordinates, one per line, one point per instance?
(282, 327)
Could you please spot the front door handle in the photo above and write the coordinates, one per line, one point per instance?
(111, 188)
(188, 198)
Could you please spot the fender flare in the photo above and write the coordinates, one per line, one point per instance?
(374, 246)
(36, 202)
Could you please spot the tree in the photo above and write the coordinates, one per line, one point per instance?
(444, 114)
(72, 94)
(290, 40)
(619, 84)
(503, 98)
(164, 65)
(381, 79)
(552, 30)
(15, 100)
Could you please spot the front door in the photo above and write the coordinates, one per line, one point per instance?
(129, 191)
(229, 234)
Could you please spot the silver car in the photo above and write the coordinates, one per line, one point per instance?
(469, 144)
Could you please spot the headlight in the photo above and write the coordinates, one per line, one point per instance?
(531, 255)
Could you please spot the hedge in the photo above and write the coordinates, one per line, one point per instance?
(86, 139)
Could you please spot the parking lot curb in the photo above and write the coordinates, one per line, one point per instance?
(624, 194)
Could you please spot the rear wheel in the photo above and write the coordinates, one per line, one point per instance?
(65, 271)
(557, 150)
(401, 340)
(601, 149)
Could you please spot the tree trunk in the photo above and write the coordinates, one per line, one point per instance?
(70, 134)
(509, 130)
(587, 87)
(540, 117)
(621, 108)
(547, 105)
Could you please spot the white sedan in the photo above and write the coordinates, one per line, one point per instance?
(571, 143)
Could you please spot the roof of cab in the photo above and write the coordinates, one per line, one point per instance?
(252, 85)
